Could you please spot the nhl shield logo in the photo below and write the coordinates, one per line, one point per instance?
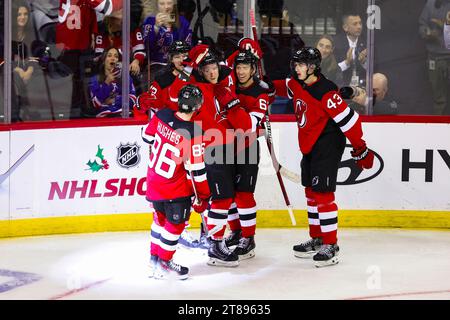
(128, 155)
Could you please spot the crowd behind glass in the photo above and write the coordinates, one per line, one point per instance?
(71, 68)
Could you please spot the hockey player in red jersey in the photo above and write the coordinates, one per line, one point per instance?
(222, 113)
(163, 92)
(176, 148)
(324, 123)
(254, 99)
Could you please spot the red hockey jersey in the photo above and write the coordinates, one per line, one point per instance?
(176, 148)
(315, 105)
(104, 41)
(77, 22)
(255, 101)
(210, 114)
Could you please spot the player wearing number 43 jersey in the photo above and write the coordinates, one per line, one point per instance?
(176, 154)
(324, 123)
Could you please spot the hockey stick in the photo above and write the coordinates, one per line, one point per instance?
(205, 227)
(292, 176)
(278, 168)
(5, 175)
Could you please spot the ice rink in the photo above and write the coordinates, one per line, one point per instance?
(375, 264)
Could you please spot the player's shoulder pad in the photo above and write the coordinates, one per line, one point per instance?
(224, 71)
(187, 129)
(165, 79)
(321, 88)
(166, 115)
(254, 91)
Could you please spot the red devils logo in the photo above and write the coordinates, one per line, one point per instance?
(300, 109)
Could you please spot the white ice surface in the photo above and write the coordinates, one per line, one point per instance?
(375, 263)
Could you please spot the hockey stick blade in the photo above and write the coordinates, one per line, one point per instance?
(292, 176)
(291, 215)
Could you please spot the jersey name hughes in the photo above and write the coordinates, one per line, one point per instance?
(168, 133)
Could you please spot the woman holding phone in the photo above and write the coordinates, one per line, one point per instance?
(161, 30)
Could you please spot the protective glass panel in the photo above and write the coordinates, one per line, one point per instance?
(412, 58)
(328, 25)
(57, 73)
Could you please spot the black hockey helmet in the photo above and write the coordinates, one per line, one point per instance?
(209, 58)
(178, 47)
(308, 56)
(245, 57)
(190, 99)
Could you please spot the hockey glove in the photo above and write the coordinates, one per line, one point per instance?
(196, 55)
(363, 157)
(226, 99)
(347, 92)
(252, 45)
(200, 205)
(145, 101)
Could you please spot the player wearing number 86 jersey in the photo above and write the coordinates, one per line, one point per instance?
(176, 155)
(324, 122)
(173, 142)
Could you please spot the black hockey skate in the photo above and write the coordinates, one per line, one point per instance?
(308, 248)
(220, 255)
(233, 238)
(327, 255)
(170, 270)
(187, 240)
(245, 248)
(152, 265)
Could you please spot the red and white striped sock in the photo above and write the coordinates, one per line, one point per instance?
(157, 227)
(217, 217)
(169, 240)
(246, 205)
(313, 214)
(233, 218)
(328, 211)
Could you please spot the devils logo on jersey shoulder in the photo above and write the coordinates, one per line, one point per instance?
(300, 110)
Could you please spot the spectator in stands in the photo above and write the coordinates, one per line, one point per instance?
(351, 52)
(383, 103)
(113, 37)
(329, 66)
(106, 89)
(23, 63)
(161, 30)
(431, 25)
(447, 31)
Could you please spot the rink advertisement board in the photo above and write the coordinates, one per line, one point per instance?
(89, 171)
(5, 172)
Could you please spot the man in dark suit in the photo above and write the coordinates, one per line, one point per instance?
(351, 52)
